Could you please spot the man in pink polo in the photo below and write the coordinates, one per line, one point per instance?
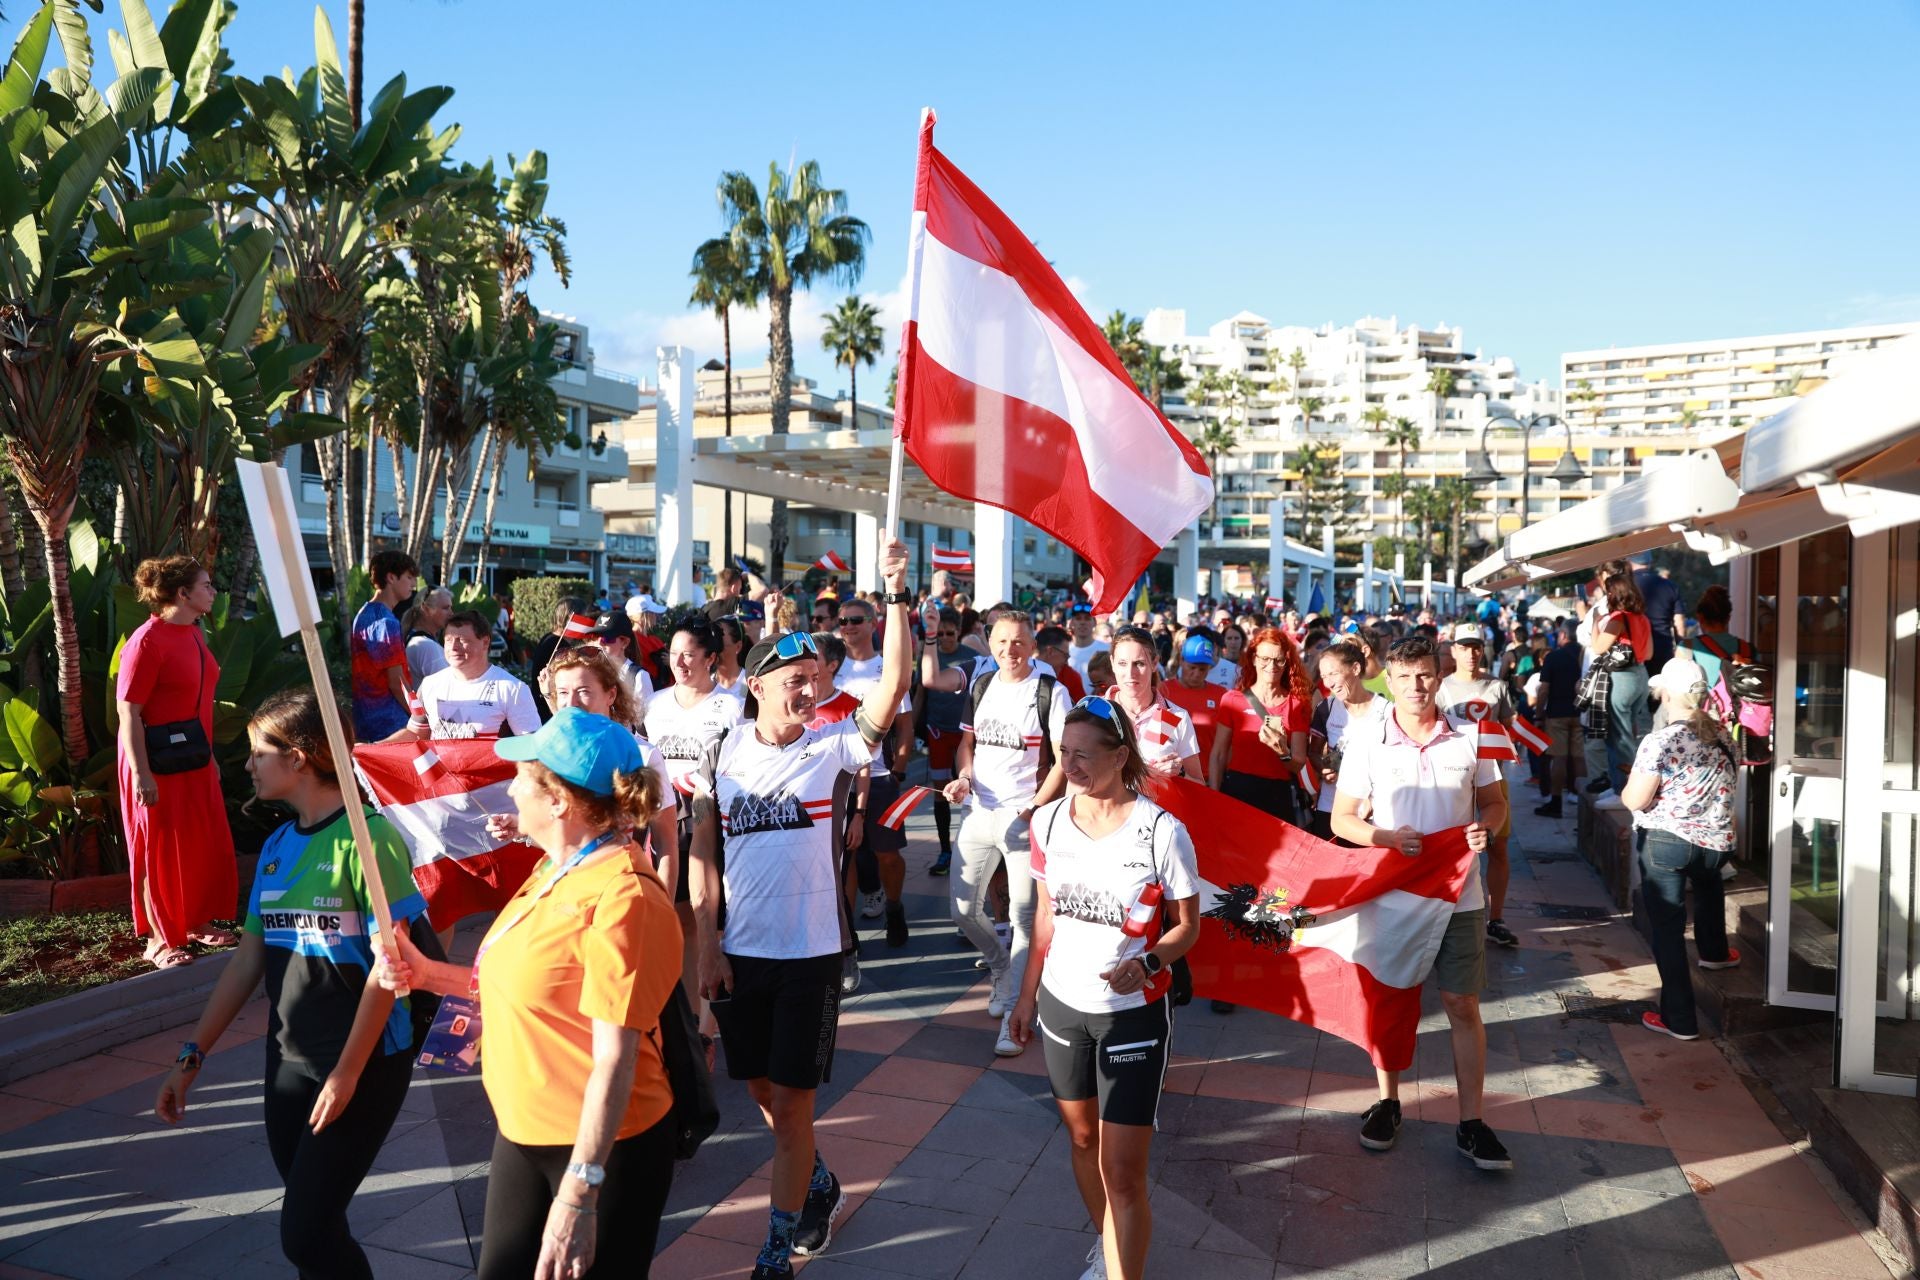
(1421, 776)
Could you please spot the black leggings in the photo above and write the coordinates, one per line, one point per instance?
(323, 1170)
(524, 1180)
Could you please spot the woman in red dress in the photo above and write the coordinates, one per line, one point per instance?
(179, 847)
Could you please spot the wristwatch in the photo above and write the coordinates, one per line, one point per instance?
(590, 1174)
(190, 1056)
(1152, 963)
(898, 597)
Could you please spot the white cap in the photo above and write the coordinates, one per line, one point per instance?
(1468, 633)
(1678, 676)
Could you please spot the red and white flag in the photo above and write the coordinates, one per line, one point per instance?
(1339, 939)
(1495, 743)
(960, 562)
(439, 794)
(1275, 604)
(580, 626)
(895, 815)
(1010, 394)
(832, 563)
(1529, 732)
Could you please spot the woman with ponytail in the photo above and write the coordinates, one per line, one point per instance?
(1681, 792)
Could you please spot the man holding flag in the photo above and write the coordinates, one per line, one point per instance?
(1422, 776)
(1478, 705)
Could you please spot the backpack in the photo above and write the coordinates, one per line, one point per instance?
(1744, 696)
(1043, 704)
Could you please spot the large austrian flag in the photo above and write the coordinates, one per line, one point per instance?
(1010, 394)
(439, 794)
(1335, 938)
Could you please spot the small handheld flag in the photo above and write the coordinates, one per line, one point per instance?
(958, 562)
(580, 626)
(831, 562)
(1529, 733)
(895, 817)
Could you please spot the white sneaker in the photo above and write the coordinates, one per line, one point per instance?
(1096, 1261)
(1002, 998)
(1006, 1046)
(873, 905)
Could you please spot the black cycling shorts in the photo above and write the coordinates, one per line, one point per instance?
(780, 1019)
(1119, 1057)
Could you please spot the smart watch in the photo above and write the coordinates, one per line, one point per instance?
(1152, 963)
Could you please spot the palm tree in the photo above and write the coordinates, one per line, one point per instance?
(853, 336)
(1216, 438)
(1403, 435)
(1457, 498)
(1584, 396)
(1309, 405)
(796, 233)
(1375, 417)
(723, 279)
(1688, 417)
(1440, 383)
(1297, 361)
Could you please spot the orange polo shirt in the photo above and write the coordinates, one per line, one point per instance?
(603, 945)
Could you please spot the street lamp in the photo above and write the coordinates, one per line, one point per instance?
(1567, 471)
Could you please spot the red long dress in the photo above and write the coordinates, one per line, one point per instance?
(180, 848)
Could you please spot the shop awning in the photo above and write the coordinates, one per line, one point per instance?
(1688, 488)
(1872, 406)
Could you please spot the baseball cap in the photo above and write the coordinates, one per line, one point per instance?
(1468, 633)
(615, 626)
(580, 747)
(1197, 649)
(752, 611)
(646, 604)
(778, 651)
(1678, 676)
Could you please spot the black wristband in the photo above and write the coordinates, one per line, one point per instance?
(898, 597)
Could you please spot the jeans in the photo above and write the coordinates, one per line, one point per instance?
(1668, 864)
(1628, 721)
(987, 837)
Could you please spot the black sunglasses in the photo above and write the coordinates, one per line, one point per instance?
(854, 621)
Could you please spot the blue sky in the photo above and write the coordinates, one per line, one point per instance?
(1551, 177)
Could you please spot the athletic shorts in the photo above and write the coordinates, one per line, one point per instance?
(1121, 1058)
(880, 797)
(943, 750)
(780, 1019)
(1506, 826)
(1565, 741)
(1460, 966)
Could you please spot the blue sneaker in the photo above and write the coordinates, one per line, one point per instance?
(942, 865)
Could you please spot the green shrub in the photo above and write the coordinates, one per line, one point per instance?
(536, 599)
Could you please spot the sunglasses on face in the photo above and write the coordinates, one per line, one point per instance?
(788, 647)
(852, 620)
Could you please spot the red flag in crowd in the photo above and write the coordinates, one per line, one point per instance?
(580, 626)
(831, 562)
(1339, 939)
(896, 813)
(1529, 732)
(960, 562)
(439, 795)
(1495, 744)
(1010, 394)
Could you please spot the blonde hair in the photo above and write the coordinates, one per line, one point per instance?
(1693, 706)
(636, 797)
(595, 661)
(161, 579)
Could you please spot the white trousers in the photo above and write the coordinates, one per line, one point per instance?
(988, 837)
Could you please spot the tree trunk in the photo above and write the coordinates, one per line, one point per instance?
(780, 343)
(66, 635)
(486, 524)
(1453, 545)
(454, 540)
(12, 577)
(370, 492)
(356, 55)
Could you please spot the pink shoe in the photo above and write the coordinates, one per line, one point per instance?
(1731, 962)
(1654, 1022)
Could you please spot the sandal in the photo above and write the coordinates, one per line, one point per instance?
(215, 937)
(171, 958)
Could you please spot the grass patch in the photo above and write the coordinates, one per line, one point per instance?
(45, 957)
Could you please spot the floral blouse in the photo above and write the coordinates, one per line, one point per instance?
(1695, 801)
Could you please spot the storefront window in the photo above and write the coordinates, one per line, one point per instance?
(1903, 661)
(1896, 1040)
(1821, 659)
(1813, 881)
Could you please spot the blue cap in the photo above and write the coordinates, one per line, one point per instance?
(1197, 649)
(580, 747)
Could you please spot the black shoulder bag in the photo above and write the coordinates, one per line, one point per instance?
(181, 746)
(696, 1112)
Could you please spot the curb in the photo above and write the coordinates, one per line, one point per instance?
(73, 1027)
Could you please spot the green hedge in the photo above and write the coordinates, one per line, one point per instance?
(535, 599)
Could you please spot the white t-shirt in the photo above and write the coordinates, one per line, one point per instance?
(1079, 656)
(640, 683)
(424, 657)
(651, 759)
(1006, 740)
(1338, 720)
(783, 863)
(461, 708)
(1166, 737)
(857, 675)
(683, 734)
(1430, 789)
(1093, 885)
(1225, 673)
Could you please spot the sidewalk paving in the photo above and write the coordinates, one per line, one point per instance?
(1636, 1155)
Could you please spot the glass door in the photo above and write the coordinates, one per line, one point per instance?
(1809, 611)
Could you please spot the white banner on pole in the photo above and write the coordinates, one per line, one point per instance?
(283, 556)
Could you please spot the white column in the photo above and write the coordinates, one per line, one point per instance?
(992, 555)
(1333, 582)
(673, 475)
(1426, 584)
(1276, 549)
(1366, 576)
(1400, 573)
(1186, 574)
(866, 551)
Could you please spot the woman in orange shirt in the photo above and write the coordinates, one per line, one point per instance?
(571, 980)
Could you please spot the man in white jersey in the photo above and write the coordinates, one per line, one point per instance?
(1007, 765)
(1084, 646)
(1466, 698)
(773, 972)
(472, 698)
(1422, 776)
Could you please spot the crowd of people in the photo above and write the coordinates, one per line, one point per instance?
(714, 814)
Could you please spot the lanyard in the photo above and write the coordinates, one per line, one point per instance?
(500, 930)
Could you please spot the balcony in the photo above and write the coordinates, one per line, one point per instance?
(561, 511)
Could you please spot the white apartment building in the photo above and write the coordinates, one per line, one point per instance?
(1707, 386)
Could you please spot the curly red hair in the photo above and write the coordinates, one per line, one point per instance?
(1293, 678)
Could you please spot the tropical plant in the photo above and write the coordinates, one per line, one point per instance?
(1297, 361)
(1214, 439)
(1375, 417)
(1583, 398)
(1429, 511)
(1309, 406)
(1403, 435)
(1457, 497)
(794, 234)
(1689, 417)
(723, 278)
(1323, 495)
(853, 337)
(1441, 383)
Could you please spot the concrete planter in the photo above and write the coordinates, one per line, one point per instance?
(65, 1030)
(91, 893)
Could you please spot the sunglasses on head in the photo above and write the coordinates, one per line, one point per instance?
(788, 647)
(1094, 704)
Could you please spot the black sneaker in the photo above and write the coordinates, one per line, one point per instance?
(1599, 786)
(1499, 934)
(896, 925)
(767, 1271)
(1551, 809)
(1380, 1125)
(1476, 1142)
(815, 1231)
(1223, 1006)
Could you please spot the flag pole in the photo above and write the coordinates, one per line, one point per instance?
(903, 393)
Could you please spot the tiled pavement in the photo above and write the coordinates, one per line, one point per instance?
(1635, 1155)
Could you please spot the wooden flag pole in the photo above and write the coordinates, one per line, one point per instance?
(903, 394)
(282, 545)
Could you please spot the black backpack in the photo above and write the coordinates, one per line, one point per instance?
(1043, 704)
